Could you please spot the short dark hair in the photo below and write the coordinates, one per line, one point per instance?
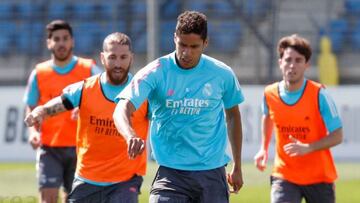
(58, 25)
(296, 42)
(117, 37)
(192, 22)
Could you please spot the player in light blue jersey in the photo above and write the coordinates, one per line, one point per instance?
(191, 96)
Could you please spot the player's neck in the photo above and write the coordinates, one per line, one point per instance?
(116, 83)
(62, 63)
(293, 86)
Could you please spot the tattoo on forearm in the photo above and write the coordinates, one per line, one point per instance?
(55, 109)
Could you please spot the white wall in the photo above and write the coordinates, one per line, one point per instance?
(14, 147)
(13, 133)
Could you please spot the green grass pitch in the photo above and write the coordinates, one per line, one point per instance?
(18, 183)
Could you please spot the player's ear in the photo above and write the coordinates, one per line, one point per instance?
(279, 61)
(48, 41)
(102, 58)
(72, 42)
(131, 59)
(206, 42)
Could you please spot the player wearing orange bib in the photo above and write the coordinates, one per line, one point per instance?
(306, 125)
(104, 172)
(99, 156)
(60, 129)
(56, 157)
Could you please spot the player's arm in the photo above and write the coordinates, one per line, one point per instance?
(297, 148)
(333, 124)
(122, 114)
(332, 139)
(34, 135)
(266, 133)
(129, 100)
(31, 98)
(235, 137)
(51, 108)
(267, 126)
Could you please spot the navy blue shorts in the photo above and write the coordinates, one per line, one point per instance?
(123, 192)
(56, 167)
(172, 185)
(284, 191)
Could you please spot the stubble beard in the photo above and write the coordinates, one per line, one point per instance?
(66, 57)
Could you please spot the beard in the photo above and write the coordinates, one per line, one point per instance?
(64, 57)
(116, 78)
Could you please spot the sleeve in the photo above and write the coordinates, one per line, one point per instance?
(31, 96)
(141, 85)
(329, 111)
(71, 95)
(264, 106)
(95, 69)
(233, 94)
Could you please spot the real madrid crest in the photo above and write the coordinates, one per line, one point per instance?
(207, 90)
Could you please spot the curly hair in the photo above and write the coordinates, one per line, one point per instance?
(192, 22)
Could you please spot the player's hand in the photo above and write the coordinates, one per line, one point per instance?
(75, 114)
(136, 146)
(34, 140)
(35, 118)
(296, 148)
(261, 159)
(235, 180)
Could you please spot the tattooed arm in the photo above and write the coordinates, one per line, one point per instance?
(51, 108)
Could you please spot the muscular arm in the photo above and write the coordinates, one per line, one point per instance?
(266, 132)
(54, 107)
(27, 112)
(51, 108)
(122, 114)
(235, 137)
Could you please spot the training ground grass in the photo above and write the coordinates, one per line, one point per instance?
(18, 183)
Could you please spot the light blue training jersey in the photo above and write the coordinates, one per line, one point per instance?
(188, 129)
(73, 94)
(31, 96)
(327, 106)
